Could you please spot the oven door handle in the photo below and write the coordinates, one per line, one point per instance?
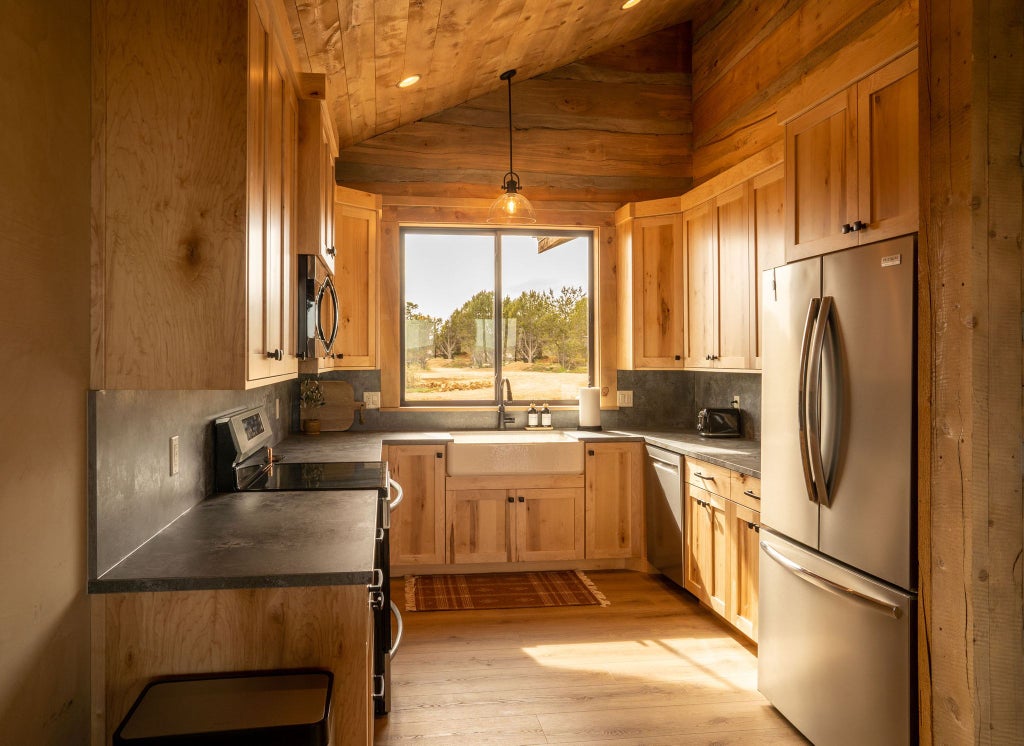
(398, 500)
(401, 630)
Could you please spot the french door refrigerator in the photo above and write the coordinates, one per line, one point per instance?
(838, 565)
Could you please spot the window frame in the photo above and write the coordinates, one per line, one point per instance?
(496, 233)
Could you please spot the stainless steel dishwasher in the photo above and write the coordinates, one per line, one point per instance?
(664, 499)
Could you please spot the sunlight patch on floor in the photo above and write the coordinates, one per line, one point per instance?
(698, 662)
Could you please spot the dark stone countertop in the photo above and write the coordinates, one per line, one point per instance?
(738, 454)
(256, 540)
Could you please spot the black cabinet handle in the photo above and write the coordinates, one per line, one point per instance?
(522, 499)
(847, 228)
(511, 499)
(750, 493)
(701, 476)
(439, 455)
(277, 354)
(330, 250)
(339, 355)
(679, 357)
(859, 225)
(590, 452)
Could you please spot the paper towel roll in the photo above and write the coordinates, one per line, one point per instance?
(590, 408)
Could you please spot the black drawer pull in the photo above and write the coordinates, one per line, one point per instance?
(511, 499)
(522, 499)
(701, 476)
(750, 493)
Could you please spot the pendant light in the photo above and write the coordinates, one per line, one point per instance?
(511, 207)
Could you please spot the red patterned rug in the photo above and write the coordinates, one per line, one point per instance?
(512, 590)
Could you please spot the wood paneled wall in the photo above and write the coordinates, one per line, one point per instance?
(614, 127)
(755, 64)
(972, 656)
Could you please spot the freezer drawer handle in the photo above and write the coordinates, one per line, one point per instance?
(401, 629)
(831, 586)
(398, 488)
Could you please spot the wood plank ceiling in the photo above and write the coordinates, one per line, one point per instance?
(459, 47)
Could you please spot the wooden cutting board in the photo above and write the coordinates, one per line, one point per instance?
(339, 406)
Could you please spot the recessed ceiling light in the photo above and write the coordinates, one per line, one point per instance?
(410, 81)
(629, 4)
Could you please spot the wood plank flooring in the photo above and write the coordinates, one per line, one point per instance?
(653, 668)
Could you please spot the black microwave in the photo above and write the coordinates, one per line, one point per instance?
(719, 423)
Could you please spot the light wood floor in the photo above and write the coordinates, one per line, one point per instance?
(653, 668)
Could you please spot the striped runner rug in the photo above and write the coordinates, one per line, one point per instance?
(511, 590)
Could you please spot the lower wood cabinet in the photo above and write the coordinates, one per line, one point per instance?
(706, 547)
(492, 519)
(720, 547)
(417, 524)
(614, 500)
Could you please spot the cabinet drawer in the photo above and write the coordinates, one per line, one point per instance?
(707, 476)
(745, 490)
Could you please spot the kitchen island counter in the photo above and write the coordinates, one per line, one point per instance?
(255, 540)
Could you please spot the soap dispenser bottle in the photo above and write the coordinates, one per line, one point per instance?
(545, 416)
(532, 417)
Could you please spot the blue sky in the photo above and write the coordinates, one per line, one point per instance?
(444, 271)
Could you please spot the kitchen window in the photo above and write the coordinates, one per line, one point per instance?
(479, 305)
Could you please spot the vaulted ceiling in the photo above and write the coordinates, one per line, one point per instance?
(459, 47)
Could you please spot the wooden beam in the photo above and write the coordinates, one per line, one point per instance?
(312, 86)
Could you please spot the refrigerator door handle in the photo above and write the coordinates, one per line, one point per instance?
(818, 478)
(837, 397)
(801, 400)
(830, 585)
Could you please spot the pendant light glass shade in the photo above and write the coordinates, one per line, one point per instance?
(511, 208)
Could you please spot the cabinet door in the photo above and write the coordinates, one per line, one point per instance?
(257, 362)
(767, 243)
(700, 248)
(549, 524)
(888, 151)
(614, 490)
(658, 281)
(270, 318)
(479, 525)
(417, 525)
(732, 300)
(356, 281)
(744, 533)
(316, 198)
(821, 178)
(706, 553)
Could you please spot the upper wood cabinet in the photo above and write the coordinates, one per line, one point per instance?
(653, 327)
(356, 230)
(194, 191)
(716, 241)
(767, 244)
(614, 493)
(417, 524)
(852, 165)
(315, 230)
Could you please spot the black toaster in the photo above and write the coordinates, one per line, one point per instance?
(719, 423)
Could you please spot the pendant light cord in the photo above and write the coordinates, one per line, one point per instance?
(510, 122)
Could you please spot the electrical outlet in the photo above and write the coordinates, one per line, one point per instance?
(174, 455)
(624, 398)
(736, 401)
(277, 408)
(371, 399)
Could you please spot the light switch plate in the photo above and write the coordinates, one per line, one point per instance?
(624, 398)
(371, 399)
(174, 455)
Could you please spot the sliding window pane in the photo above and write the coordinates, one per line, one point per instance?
(545, 305)
(449, 318)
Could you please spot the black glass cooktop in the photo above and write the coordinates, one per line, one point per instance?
(287, 475)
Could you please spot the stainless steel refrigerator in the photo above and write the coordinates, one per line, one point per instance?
(838, 565)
